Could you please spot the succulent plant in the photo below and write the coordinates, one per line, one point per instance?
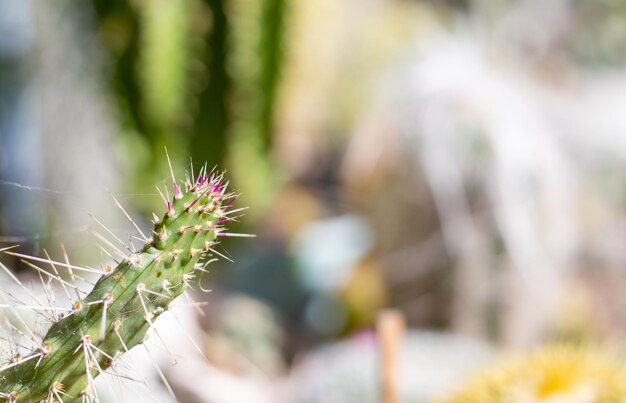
(88, 337)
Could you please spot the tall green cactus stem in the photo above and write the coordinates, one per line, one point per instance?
(117, 314)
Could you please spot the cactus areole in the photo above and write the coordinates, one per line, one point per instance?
(124, 303)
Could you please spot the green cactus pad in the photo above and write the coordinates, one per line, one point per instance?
(117, 314)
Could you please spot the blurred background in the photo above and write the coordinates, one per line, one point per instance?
(459, 161)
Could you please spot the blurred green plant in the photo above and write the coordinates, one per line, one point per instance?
(257, 45)
(199, 76)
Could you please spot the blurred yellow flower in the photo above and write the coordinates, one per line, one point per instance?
(558, 374)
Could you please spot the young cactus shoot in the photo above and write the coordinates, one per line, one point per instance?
(87, 338)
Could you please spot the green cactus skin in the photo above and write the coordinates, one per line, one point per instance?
(117, 314)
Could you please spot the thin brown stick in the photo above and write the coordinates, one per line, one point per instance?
(390, 328)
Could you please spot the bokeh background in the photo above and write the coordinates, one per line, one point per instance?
(460, 161)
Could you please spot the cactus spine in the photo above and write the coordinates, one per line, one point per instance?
(122, 306)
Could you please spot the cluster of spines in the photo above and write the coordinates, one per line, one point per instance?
(116, 315)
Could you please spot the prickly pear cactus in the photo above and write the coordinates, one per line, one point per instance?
(124, 303)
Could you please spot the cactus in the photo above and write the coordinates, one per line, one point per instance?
(126, 300)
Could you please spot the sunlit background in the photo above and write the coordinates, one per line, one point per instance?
(461, 162)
